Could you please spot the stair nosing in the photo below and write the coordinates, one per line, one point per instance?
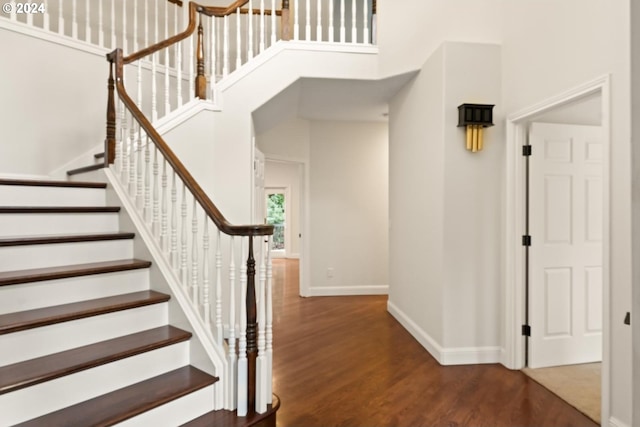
(191, 379)
(83, 169)
(104, 354)
(75, 312)
(52, 183)
(69, 238)
(57, 209)
(67, 271)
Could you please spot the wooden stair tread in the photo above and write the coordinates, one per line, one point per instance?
(30, 372)
(58, 209)
(127, 402)
(22, 320)
(71, 238)
(47, 183)
(85, 169)
(230, 419)
(66, 271)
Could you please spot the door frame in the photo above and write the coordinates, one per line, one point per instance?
(514, 254)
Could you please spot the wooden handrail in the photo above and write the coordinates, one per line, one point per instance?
(117, 60)
(220, 12)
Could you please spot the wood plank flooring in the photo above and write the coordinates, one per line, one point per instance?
(345, 361)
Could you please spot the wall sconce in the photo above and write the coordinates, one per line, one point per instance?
(475, 117)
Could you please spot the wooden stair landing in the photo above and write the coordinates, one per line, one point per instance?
(230, 419)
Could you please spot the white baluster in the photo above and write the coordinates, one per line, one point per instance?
(173, 252)
(354, 30)
(225, 67)
(167, 81)
(14, 16)
(250, 31)
(269, 325)
(139, 190)
(154, 69)
(155, 216)
(194, 256)
(307, 28)
(134, 36)
(60, 16)
(296, 21)
(262, 26)
(232, 328)
(218, 321)
(124, 27)
(261, 366)
(343, 31)
(273, 22)
(113, 25)
(46, 23)
(365, 30)
(238, 40)
(74, 19)
(242, 342)
(100, 24)
(139, 81)
(132, 159)
(319, 26)
(183, 239)
(206, 304)
(163, 207)
(119, 141)
(30, 19)
(124, 178)
(178, 61)
(87, 24)
(331, 27)
(214, 59)
(146, 210)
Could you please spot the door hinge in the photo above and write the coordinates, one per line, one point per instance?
(627, 318)
(526, 240)
(526, 330)
(526, 150)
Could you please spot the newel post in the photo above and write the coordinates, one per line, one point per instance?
(286, 26)
(110, 141)
(201, 80)
(252, 327)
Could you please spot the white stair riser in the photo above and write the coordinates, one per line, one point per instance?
(57, 223)
(176, 412)
(91, 176)
(51, 255)
(25, 345)
(29, 296)
(18, 195)
(56, 394)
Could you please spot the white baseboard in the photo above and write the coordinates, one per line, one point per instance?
(445, 356)
(328, 291)
(614, 422)
(293, 256)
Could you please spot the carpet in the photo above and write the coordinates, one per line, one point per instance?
(578, 385)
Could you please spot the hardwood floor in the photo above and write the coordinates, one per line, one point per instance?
(345, 361)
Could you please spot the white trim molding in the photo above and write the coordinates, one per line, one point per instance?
(329, 291)
(614, 422)
(445, 356)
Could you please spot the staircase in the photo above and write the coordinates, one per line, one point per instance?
(84, 340)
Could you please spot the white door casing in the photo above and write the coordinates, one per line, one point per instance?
(566, 228)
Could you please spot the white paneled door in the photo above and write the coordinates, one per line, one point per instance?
(565, 257)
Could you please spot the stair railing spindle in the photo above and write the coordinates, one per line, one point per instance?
(214, 60)
(250, 31)
(100, 23)
(201, 80)
(252, 344)
(124, 26)
(269, 324)
(232, 374)
(74, 19)
(365, 29)
(195, 288)
(354, 29)
(183, 239)
(218, 320)
(46, 19)
(163, 207)
(192, 60)
(132, 158)
(173, 251)
(307, 26)
(331, 27)
(273, 22)
(113, 24)
(343, 32)
(262, 27)
(155, 216)
(206, 303)
(296, 21)
(285, 21)
(30, 19)
(167, 81)
(178, 62)
(225, 67)
(319, 20)
(146, 210)
(87, 24)
(242, 341)
(238, 40)
(140, 173)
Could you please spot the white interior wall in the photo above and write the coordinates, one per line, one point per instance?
(57, 107)
(280, 174)
(349, 208)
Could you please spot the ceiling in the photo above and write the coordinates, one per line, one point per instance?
(330, 99)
